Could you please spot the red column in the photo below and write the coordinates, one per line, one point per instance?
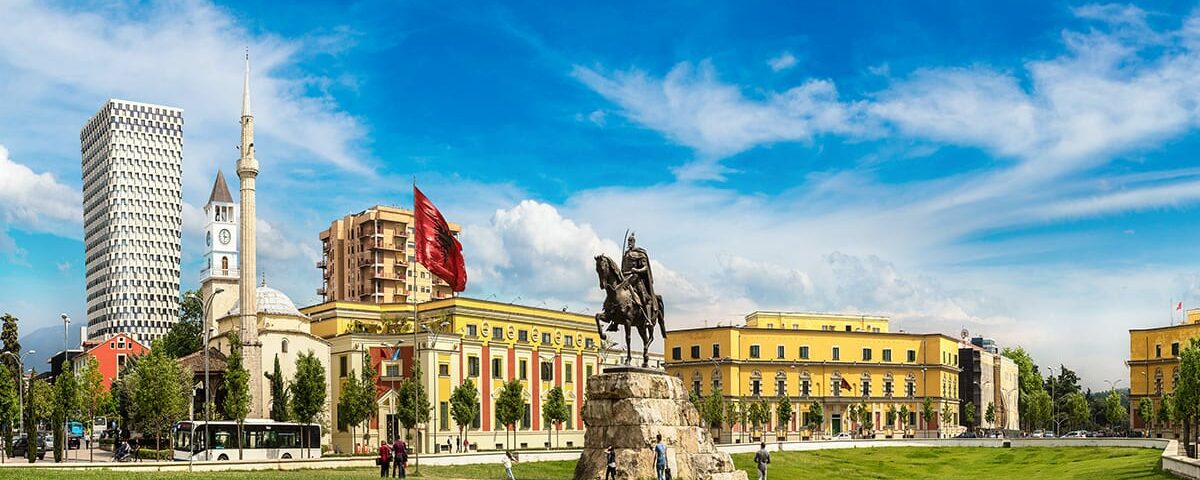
(485, 393)
(579, 381)
(536, 386)
(512, 363)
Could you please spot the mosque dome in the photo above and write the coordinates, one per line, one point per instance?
(271, 302)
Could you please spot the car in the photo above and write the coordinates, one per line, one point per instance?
(1076, 434)
(1037, 434)
(21, 446)
(1048, 435)
(843, 436)
(967, 434)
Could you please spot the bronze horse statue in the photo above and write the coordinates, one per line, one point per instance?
(623, 307)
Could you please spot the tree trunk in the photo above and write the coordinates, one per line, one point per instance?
(240, 440)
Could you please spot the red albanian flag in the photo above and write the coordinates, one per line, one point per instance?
(437, 249)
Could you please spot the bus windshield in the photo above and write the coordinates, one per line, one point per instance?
(183, 437)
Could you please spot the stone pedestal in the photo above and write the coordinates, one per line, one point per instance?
(626, 409)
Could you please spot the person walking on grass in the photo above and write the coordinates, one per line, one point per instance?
(610, 461)
(400, 456)
(384, 460)
(508, 461)
(761, 458)
(660, 457)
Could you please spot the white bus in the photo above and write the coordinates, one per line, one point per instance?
(261, 440)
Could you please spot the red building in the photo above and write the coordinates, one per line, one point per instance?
(111, 353)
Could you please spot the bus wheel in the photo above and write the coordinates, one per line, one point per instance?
(287, 456)
(222, 457)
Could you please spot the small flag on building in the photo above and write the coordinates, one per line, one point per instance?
(1179, 307)
(437, 249)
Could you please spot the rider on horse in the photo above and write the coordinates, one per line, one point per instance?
(635, 266)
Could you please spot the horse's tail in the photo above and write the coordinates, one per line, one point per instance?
(662, 327)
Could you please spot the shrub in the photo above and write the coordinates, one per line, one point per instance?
(152, 454)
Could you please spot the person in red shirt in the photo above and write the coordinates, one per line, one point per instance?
(385, 459)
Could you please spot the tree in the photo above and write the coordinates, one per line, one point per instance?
(927, 412)
(732, 416)
(783, 410)
(308, 392)
(464, 406)
(92, 393)
(414, 400)
(237, 387)
(186, 336)
(279, 393)
(1114, 412)
(816, 415)
(9, 336)
(1187, 392)
(554, 409)
(1066, 383)
(161, 393)
(853, 414)
(714, 411)
(66, 405)
(9, 408)
(904, 415)
(1166, 410)
(868, 425)
(756, 415)
(1076, 408)
(36, 404)
(122, 396)
(947, 415)
(1146, 413)
(990, 414)
(969, 415)
(1038, 410)
(890, 416)
(510, 406)
(349, 407)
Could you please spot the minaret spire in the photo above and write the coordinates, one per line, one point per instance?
(246, 87)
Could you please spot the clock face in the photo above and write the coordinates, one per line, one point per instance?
(208, 239)
(225, 236)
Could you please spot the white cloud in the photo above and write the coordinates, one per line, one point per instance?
(782, 62)
(37, 202)
(63, 267)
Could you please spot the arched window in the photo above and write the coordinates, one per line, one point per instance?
(887, 384)
(224, 264)
(910, 386)
(284, 345)
(780, 383)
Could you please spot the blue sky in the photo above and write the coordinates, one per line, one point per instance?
(1023, 170)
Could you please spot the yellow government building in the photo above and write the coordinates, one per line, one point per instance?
(1154, 368)
(834, 360)
(461, 338)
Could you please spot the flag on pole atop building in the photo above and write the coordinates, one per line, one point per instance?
(437, 249)
(1180, 306)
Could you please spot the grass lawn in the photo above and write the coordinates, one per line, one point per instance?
(891, 462)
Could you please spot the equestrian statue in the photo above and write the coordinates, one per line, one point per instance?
(630, 299)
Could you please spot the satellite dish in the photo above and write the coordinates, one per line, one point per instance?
(964, 334)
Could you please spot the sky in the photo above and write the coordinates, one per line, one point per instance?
(1020, 170)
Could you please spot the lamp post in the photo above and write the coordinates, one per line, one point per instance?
(205, 303)
(434, 333)
(62, 371)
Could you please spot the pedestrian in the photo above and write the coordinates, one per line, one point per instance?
(449, 445)
(761, 459)
(466, 446)
(457, 445)
(610, 460)
(509, 460)
(384, 460)
(400, 454)
(660, 457)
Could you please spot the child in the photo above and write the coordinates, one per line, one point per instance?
(509, 460)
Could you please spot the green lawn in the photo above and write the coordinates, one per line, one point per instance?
(898, 462)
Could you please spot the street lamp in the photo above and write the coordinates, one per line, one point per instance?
(432, 345)
(205, 303)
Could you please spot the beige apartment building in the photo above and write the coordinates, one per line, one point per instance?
(369, 257)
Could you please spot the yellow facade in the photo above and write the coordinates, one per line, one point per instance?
(486, 342)
(1154, 366)
(813, 358)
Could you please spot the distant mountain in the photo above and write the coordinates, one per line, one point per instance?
(47, 341)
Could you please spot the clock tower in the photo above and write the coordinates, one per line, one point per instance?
(220, 269)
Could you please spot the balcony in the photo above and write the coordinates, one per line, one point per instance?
(321, 291)
(380, 245)
(321, 264)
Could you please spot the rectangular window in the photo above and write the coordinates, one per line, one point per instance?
(472, 331)
(589, 343)
(1175, 349)
(804, 388)
(716, 350)
(866, 388)
(676, 353)
(779, 353)
(754, 351)
(547, 371)
(545, 339)
(912, 356)
(887, 354)
(1158, 351)
(526, 418)
(523, 335)
(523, 365)
(568, 373)
(696, 387)
(887, 388)
(695, 351)
(910, 389)
(443, 369)
(780, 387)
(570, 418)
(393, 370)
(472, 366)
(866, 355)
(587, 371)
(837, 353)
(497, 368)
(804, 352)
(444, 417)
(497, 333)
(569, 340)
(342, 370)
(755, 387)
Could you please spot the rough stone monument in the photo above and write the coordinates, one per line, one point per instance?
(627, 407)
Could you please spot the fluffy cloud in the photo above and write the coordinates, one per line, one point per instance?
(37, 202)
(782, 62)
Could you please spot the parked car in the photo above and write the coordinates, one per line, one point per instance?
(1037, 434)
(843, 436)
(1048, 435)
(1076, 434)
(21, 447)
(966, 434)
